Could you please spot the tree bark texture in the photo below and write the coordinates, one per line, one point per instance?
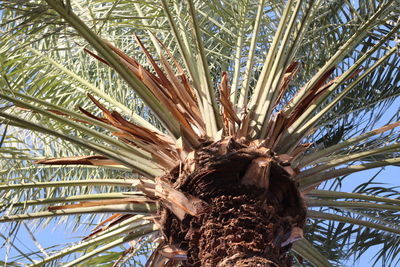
(251, 206)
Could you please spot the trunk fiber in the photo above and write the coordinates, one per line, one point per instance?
(252, 207)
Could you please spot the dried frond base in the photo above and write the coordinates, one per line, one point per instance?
(249, 219)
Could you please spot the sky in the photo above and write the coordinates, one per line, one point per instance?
(390, 176)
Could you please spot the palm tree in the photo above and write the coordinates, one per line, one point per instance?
(202, 133)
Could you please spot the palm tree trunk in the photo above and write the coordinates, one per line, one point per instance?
(253, 207)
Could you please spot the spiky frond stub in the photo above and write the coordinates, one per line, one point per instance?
(226, 151)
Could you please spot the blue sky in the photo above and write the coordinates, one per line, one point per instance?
(391, 176)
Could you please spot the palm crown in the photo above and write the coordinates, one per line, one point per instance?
(180, 120)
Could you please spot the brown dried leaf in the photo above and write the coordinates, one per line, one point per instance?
(114, 221)
(186, 84)
(244, 127)
(277, 125)
(95, 160)
(96, 56)
(122, 55)
(159, 86)
(289, 73)
(111, 218)
(163, 79)
(190, 139)
(172, 252)
(229, 112)
(183, 96)
(182, 149)
(311, 95)
(138, 133)
(386, 128)
(178, 202)
(147, 187)
(101, 203)
(176, 63)
(90, 115)
(299, 150)
(107, 114)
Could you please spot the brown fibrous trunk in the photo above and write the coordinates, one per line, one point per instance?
(248, 219)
